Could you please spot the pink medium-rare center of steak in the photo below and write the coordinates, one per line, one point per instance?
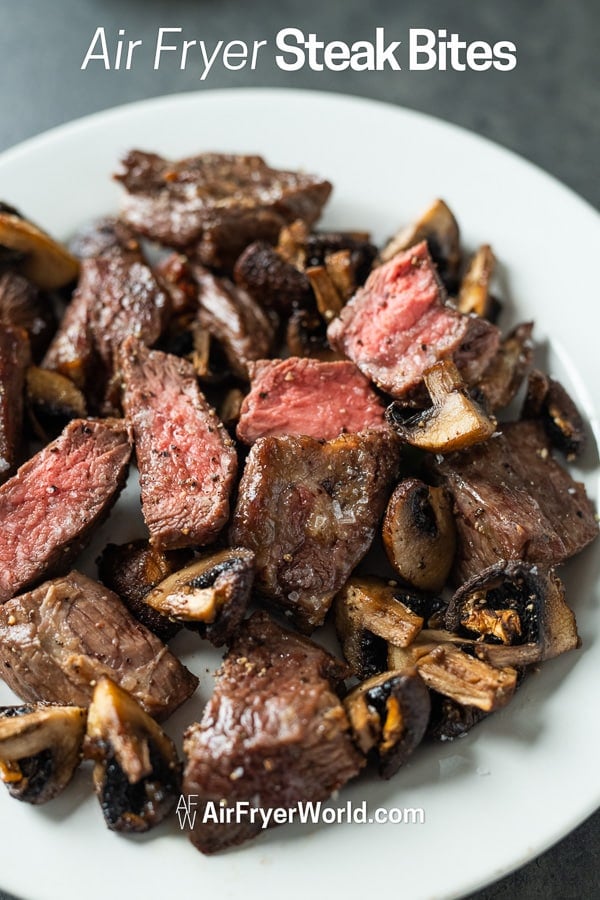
(49, 508)
(306, 396)
(397, 326)
(186, 459)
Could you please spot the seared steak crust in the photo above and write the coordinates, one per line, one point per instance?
(187, 461)
(309, 511)
(306, 396)
(514, 501)
(50, 507)
(397, 326)
(215, 204)
(273, 734)
(57, 640)
(14, 359)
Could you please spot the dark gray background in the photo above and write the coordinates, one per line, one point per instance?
(547, 109)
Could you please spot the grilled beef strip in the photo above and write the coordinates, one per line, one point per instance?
(117, 295)
(272, 281)
(309, 511)
(49, 509)
(187, 461)
(398, 325)
(512, 500)
(231, 316)
(22, 305)
(273, 734)
(305, 396)
(59, 639)
(104, 237)
(14, 359)
(214, 205)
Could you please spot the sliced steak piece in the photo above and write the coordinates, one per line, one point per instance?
(514, 501)
(14, 359)
(49, 509)
(309, 511)
(214, 205)
(187, 461)
(231, 316)
(305, 396)
(59, 639)
(397, 326)
(117, 296)
(104, 237)
(22, 305)
(273, 734)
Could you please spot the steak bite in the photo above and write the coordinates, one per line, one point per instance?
(59, 639)
(397, 326)
(273, 734)
(49, 509)
(187, 461)
(231, 316)
(14, 359)
(117, 296)
(514, 501)
(213, 205)
(305, 396)
(309, 510)
(22, 305)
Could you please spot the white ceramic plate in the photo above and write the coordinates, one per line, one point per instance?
(521, 779)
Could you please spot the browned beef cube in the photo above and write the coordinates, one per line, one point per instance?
(397, 326)
(57, 640)
(273, 734)
(309, 511)
(14, 359)
(186, 459)
(514, 501)
(49, 509)
(214, 205)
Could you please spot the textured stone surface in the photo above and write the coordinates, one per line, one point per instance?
(547, 109)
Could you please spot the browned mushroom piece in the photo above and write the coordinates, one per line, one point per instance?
(419, 534)
(517, 614)
(132, 570)
(271, 280)
(45, 262)
(306, 335)
(369, 615)
(503, 377)
(329, 300)
(449, 719)
(24, 306)
(231, 405)
(388, 715)
(210, 596)
(474, 293)
(52, 401)
(40, 749)
(455, 420)
(547, 400)
(137, 773)
(439, 228)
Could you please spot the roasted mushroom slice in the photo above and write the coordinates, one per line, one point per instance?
(450, 719)
(474, 293)
(329, 300)
(455, 420)
(548, 401)
(388, 715)
(52, 401)
(23, 305)
(471, 682)
(45, 262)
(439, 228)
(369, 615)
(517, 613)
(132, 570)
(40, 749)
(210, 595)
(306, 335)
(502, 379)
(419, 534)
(137, 775)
